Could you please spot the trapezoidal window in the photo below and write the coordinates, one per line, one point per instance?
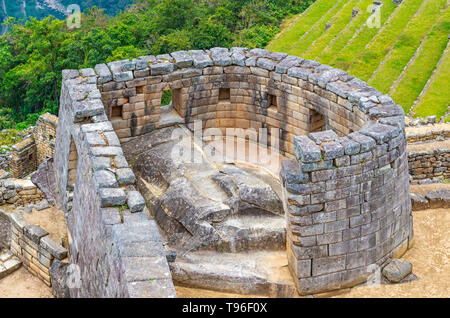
(316, 122)
(171, 107)
(224, 94)
(272, 102)
(72, 168)
(116, 112)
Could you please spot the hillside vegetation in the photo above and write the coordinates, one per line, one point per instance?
(406, 57)
(22, 9)
(33, 54)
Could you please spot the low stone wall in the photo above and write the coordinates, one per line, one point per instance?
(19, 192)
(32, 245)
(433, 132)
(431, 165)
(44, 136)
(117, 249)
(432, 200)
(23, 158)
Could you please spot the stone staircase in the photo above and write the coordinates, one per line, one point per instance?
(8, 263)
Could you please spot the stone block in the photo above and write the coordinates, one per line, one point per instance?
(221, 56)
(105, 179)
(125, 176)
(306, 150)
(56, 250)
(332, 150)
(323, 136)
(327, 265)
(136, 232)
(397, 270)
(34, 233)
(136, 202)
(381, 133)
(290, 171)
(110, 197)
(366, 143)
(182, 59)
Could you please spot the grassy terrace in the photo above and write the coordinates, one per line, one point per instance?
(436, 99)
(338, 22)
(309, 37)
(340, 41)
(300, 26)
(399, 58)
(345, 58)
(406, 46)
(418, 73)
(370, 57)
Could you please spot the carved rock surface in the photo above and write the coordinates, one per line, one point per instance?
(204, 203)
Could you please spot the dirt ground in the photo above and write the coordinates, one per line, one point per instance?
(21, 284)
(52, 220)
(424, 188)
(430, 257)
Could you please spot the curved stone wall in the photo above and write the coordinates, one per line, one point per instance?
(346, 191)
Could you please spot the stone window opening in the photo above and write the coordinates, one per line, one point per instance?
(116, 112)
(171, 107)
(316, 122)
(140, 90)
(72, 168)
(272, 102)
(224, 94)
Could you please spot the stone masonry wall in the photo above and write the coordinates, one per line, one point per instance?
(118, 250)
(19, 192)
(44, 136)
(23, 158)
(28, 154)
(346, 192)
(431, 165)
(225, 88)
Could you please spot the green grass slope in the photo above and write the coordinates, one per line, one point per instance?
(436, 98)
(417, 74)
(405, 57)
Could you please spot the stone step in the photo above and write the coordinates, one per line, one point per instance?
(256, 273)
(253, 233)
(170, 117)
(8, 263)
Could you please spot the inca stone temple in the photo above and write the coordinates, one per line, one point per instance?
(152, 197)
